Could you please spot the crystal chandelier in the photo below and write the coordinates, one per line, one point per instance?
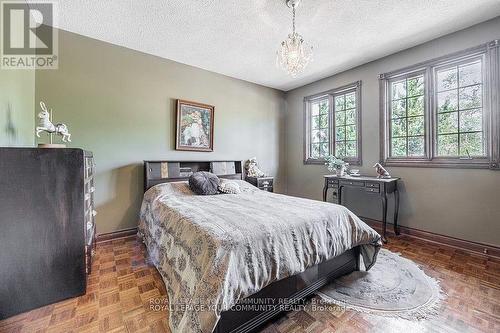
(294, 53)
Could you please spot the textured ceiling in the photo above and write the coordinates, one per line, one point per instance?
(239, 38)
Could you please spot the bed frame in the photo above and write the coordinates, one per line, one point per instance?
(157, 172)
(278, 295)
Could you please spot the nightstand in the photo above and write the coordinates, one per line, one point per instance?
(263, 183)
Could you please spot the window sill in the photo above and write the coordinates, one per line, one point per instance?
(314, 161)
(322, 161)
(355, 162)
(452, 164)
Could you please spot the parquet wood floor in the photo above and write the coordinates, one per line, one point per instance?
(122, 286)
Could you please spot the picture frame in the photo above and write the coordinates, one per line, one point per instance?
(194, 126)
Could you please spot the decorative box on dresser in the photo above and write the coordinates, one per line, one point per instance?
(264, 183)
(47, 234)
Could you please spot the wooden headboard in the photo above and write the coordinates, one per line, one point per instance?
(158, 172)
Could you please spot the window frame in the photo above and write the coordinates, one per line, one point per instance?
(490, 59)
(330, 95)
(400, 76)
(485, 110)
(307, 147)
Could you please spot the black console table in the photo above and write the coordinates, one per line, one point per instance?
(379, 186)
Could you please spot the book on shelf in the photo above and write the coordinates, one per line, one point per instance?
(185, 172)
(223, 168)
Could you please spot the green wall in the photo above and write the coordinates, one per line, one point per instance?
(120, 104)
(17, 97)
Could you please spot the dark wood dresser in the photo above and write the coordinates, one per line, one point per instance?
(263, 183)
(47, 227)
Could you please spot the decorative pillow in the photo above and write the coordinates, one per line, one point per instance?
(229, 187)
(204, 183)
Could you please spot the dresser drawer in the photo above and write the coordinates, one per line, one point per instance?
(333, 181)
(352, 183)
(89, 171)
(89, 253)
(88, 206)
(89, 166)
(89, 236)
(372, 185)
(372, 189)
(266, 188)
(264, 182)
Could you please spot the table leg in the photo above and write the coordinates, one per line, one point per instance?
(339, 195)
(384, 216)
(325, 192)
(396, 211)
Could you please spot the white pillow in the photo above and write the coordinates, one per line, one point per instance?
(229, 187)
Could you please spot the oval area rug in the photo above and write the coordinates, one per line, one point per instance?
(394, 286)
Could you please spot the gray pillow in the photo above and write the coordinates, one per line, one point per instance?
(204, 183)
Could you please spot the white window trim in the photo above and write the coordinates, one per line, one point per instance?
(491, 110)
(330, 94)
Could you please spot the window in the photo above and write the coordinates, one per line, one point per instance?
(320, 137)
(332, 125)
(346, 122)
(460, 110)
(407, 114)
(440, 113)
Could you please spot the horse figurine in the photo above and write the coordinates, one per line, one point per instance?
(45, 125)
(381, 172)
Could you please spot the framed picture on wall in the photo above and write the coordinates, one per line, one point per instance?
(195, 126)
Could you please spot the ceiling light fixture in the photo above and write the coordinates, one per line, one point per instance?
(294, 53)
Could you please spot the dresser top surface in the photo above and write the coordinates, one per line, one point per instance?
(369, 178)
(261, 178)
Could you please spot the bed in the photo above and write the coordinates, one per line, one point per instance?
(230, 262)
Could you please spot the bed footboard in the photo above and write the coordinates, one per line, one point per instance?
(280, 294)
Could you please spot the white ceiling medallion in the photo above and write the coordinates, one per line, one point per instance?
(294, 53)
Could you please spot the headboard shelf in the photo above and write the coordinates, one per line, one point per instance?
(158, 171)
